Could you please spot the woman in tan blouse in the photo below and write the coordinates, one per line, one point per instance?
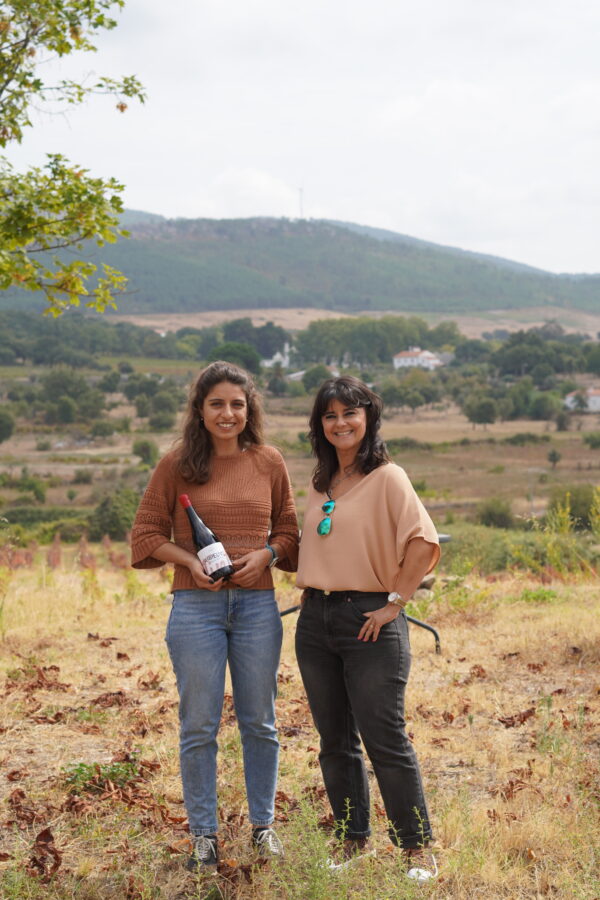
(367, 541)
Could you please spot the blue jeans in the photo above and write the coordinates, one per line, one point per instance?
(206, 630)
(356, 690)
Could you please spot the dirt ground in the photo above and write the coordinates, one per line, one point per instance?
(505, 722)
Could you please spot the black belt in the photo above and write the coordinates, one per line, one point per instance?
(318, 594)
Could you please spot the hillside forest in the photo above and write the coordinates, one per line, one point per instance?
(187, 265)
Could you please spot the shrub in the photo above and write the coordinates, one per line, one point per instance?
(7, 425)
(104, 428)
(495, 512)
(526, 437)
(43, 444)
(147, 451)
(114, 515)
(592, 439)
(35, 515)
(83, 476)
(563, 420)
(71, 530)
(163, 401)
(142, 405)
(296, 389)
(578, 498)
(161, 421)
(314, 377)
(396, 445)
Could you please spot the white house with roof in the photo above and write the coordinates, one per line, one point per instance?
(591, 395)
(414, 357)
(282, 357)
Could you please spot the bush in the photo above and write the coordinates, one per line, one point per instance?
(161, 421)
(71, 530)
(396, 445)
(146, 450)
(526, 437)
(296, 389)
(592, 439)
(493, 550)
(105, 428)
(578, 498)
(83, 476)
(43, 444)
(7, 425)
(35, 515)
(495, 513)
(314, 377)
(114, 515)
(142, 405)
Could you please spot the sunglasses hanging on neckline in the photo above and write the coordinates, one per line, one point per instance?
(324, 526)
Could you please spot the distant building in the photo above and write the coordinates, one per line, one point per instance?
(279, 357)
(414, 357)
(297, 376)
(591, 395)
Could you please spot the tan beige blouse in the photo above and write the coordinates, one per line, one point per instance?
(371, 527)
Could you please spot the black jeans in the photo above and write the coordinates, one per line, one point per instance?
(356, 690)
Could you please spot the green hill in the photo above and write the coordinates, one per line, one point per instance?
(185, 265)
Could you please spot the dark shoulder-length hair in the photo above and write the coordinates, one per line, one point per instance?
(372, 452)
(194, 448)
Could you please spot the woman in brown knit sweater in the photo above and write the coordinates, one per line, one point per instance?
(241, 489)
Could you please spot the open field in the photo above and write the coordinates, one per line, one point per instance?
(505, 721)
(456, 476)
(296, 319)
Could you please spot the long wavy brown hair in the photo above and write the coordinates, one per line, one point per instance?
(371, 454)
(194, 447)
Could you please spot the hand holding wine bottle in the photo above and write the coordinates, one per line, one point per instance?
(210, 551)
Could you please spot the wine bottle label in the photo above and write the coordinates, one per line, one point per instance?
(213, 557)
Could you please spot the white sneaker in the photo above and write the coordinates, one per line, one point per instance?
(424, 867)
(268, 845)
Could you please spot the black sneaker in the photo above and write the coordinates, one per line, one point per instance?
(266, 842)
(204, 854)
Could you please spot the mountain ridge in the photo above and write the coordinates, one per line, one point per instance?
(191, 265)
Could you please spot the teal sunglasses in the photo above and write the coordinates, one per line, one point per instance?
(324, 526)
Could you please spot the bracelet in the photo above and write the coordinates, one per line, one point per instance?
(274, 557)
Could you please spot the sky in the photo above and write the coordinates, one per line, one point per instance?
(470, 123)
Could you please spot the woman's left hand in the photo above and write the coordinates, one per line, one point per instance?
(249, 567)
(375, 621)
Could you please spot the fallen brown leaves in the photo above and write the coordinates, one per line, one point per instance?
(518, 718)
(45, 859)
(28, 680)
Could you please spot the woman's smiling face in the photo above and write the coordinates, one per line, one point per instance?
(344, 426)
(225, 412)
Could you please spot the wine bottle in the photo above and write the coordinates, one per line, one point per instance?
(210, 550)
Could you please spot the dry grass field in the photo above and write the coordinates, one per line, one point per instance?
(506, 722)
(296, 319)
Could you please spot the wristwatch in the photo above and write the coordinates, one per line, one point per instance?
(274, 556)
(397, 599)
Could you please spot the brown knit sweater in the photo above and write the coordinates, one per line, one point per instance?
(245, 495)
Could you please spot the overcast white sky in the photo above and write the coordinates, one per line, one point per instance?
(473, 123)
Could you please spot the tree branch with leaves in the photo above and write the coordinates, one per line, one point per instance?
(48, 213)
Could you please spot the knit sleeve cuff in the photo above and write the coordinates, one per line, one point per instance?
(141, 552)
